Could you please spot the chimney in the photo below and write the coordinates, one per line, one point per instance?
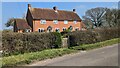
(55, 8)
(29, 5)
(74, 11)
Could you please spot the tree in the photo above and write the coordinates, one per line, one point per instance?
(111, 17)
(95, 16)
(87, 22)
(10, 22)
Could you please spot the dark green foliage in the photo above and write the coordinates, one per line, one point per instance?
(19, 43)
(57, 43)
(82, 37)
(65, 33)
(92, 36)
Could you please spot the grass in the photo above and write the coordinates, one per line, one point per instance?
(96, 45)
(27, 58)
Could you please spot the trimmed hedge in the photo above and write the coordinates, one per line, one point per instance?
(19, 43)
(92, 36)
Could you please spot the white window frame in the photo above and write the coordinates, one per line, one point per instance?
(64, 28)
(55, 21)
(58, 29)
(43, 21)
(65, 22)
(28, 30)
(40, 29)
(75, 22)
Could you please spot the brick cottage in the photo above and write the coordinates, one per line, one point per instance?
(48, 20)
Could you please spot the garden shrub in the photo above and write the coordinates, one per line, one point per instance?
(92, 36)
(19, 43)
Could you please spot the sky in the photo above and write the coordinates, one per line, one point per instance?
(19, 9)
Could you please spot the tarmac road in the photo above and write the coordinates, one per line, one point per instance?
(105, 56)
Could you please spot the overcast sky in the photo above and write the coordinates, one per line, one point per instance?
(19, 9)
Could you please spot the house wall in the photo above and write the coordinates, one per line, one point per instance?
(20, 31)
(60, 25)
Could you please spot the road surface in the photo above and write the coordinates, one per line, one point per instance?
(106, 56)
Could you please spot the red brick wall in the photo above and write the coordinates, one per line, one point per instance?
(60, 25)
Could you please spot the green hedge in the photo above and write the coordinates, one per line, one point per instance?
(92, 36)
(19, 43)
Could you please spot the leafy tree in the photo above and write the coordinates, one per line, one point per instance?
(10, 22)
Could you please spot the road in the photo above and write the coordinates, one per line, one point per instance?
(106, 56)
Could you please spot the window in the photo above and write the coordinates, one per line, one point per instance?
(64, 28)
(65, 22)
(55, 21)
(76, 29)
(75, 22)
(57, 30)
(28, 30)
(43, 21)
(41, 30)
(49, 28)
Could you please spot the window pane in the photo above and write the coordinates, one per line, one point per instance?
(55, 21)
(65, 22)
(43, 21)
(74, 22)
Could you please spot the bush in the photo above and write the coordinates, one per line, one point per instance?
(92, 36)
(57, 43)
(19, 43)
(65, 33)
(82, 37)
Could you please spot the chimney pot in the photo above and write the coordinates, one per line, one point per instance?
(55, 8)
(74, 10)
(29, 5)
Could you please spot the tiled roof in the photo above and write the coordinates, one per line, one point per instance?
(50, 14)
(22, 24)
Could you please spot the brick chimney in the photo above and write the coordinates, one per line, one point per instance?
(29, 5)
(55, 8)
(74, 10)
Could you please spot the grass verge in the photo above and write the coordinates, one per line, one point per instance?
(96, 45)
(51, 53)
(29, 57)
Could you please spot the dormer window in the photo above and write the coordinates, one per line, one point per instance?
(75, 22)
(55, 21)
(65, 22)
(43, 21)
